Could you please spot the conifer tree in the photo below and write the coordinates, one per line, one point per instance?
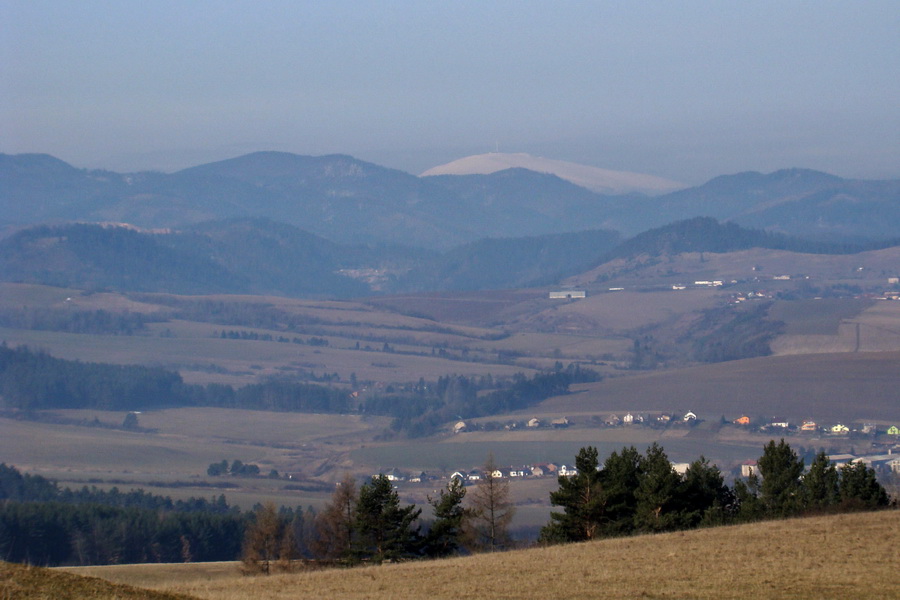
(859, 488)
(820, 484)
(446, 531)
(780, 468)
(384, 528)
(655, 496)
(582, 500)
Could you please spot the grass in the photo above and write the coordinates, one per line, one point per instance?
(842, 556)
(20, 582)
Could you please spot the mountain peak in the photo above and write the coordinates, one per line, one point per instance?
(599, 180)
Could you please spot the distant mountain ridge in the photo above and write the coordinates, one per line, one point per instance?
(350, 201)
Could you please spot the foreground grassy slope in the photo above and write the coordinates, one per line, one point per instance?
(843, 556)
(33, 583)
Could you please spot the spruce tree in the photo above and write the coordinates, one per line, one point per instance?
(446, 531)
(655, 496)
(384, 528)
(582, 500)
(780, 468)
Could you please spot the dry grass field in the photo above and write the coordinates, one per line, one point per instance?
(847, 387)
(839, 557)
(21, 582)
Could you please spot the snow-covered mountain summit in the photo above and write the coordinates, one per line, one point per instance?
(599, 180)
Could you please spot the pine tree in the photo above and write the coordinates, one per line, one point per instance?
(655, 496)
(780, 468)
(859, 488)
(384, 528)
(446, 532)
(582, 500)
(820, 484)
(620, 478)
(703, 496)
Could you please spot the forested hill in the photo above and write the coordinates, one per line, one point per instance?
(257, 256)
(249, 256)
(705, 234)
(511, 262)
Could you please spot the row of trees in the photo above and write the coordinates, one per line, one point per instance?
(43, 524)
(634, 493)
(369, 524)
(32, 380)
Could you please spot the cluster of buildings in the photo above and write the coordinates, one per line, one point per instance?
(814, 427)
(879, 462)
(547, 469)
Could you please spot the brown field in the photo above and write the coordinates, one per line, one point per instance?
(816, 331)
(843, 556)
(848, 387)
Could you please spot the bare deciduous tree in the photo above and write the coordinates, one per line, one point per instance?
(335, 525)
(491, 510)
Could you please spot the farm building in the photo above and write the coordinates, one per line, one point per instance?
(568, 295)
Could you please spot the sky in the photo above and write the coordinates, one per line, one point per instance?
(684, 90)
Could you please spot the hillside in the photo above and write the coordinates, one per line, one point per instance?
(35, 583)
(795, 201)
(842, 556)
(850, 387)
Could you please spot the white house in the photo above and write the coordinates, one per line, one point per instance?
(568, 471)
(748, 468)
(568, 295)
(689, 416)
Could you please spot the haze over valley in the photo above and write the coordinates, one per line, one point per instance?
(318, 284)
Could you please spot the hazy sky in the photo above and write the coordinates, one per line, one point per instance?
(686, 90)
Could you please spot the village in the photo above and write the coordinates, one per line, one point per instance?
(881, 444)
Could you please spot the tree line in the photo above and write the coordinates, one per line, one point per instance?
(369, 524)
(34, 380)
(630, 493)
(633, 493)
(76, 321)
(45, 525)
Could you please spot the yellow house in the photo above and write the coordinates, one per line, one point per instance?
(893, 430)
(743, 420)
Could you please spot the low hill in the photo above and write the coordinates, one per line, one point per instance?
(510, 263)
(705, 234)
(842, 556)
(235, 257)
